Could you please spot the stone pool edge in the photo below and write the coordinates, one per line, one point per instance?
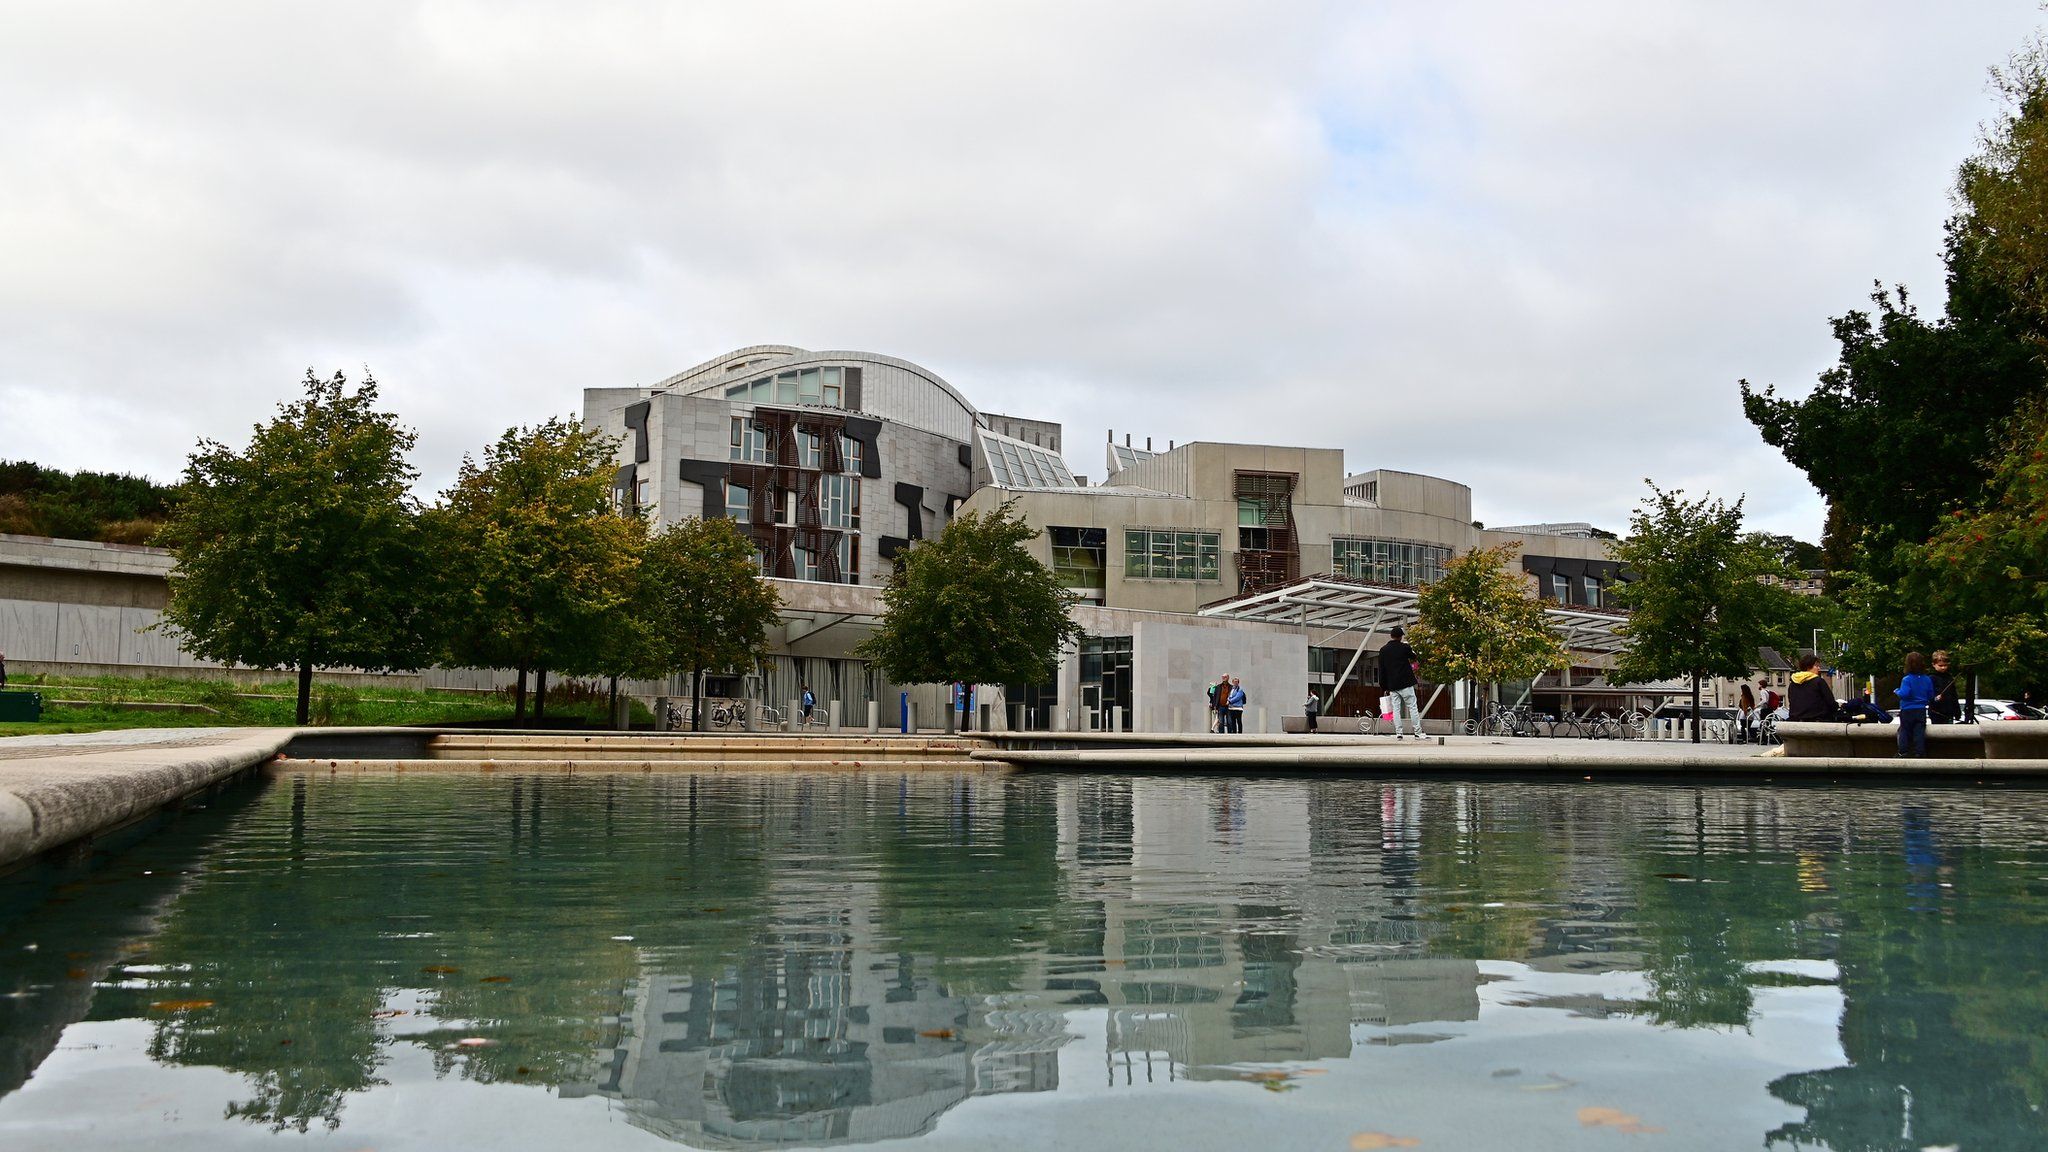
(50, 801)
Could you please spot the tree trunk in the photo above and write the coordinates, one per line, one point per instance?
(540, 696)
(697, 699)
(305, 690)
(1695, 707)
(519, 697)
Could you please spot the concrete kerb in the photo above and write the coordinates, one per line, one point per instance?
(52, 800)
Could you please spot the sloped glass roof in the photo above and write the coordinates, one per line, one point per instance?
(1016, 464)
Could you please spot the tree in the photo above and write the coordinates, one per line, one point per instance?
(1896, 433)
(1699, 603)
(974, 606)
(1479, 623)
(1979, 585)
(303, 551)
(539, 559)
(2004, 187)
(704, 604)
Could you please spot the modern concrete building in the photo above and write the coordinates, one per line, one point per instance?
(1187, 560)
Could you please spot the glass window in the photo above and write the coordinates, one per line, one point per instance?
(1560, 589)
(761, 390)
(849, 454)
(643, 494)
(736, 392)
(810, 449)
(785, 388)
(1168, 555)
(839, 501)
(1251, 513)
(739, 502)
(807, 387)
(1591, 587)
(749, 442)
(1388, 561)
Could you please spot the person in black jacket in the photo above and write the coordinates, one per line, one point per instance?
(1812, 697)
(1948, 705)
(1397, 680)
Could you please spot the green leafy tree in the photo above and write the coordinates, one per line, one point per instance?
(1981, 581)
(1896, 434)
(539, 559)
(304, 550)
(2004, 187)
(704, 604)
(1699, 603)
(973, 605)
(1479, 623)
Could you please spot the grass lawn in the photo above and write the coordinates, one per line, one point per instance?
(96, 703)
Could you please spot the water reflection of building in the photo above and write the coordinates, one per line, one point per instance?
(817, 1045)
(1275, 974)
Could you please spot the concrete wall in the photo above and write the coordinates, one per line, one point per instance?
(1173, 661)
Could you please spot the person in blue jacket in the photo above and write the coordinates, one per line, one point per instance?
(1916, 692)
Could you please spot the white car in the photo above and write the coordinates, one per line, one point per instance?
(2006, 710)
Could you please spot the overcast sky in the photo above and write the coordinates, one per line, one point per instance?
(1528, 247)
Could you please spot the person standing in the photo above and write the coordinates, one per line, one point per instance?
(1745, 713)
(1310, 707)
(1219, 703)
(809, 702)
(1236, 703)
(1397, 679)
(1916, 691)
(1947, 707)
(3, 671)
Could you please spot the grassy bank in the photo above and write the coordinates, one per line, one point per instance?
(100, 703)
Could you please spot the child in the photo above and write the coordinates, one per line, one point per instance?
(1916, 692)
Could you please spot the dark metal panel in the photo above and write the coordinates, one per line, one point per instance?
(636, 421)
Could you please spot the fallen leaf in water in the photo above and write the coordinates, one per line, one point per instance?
(495, 980)
(937, 1033)
(76, 974)
(1500, 1073)
(522, 1070)
(1616, 1119)
(714, 910)
(284, 1043)
(1673, 876)
(179, 1005)
(1365, 1141)
(440, 970)
(387, 1013)
(471, 1042)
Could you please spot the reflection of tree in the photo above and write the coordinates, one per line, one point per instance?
(1946, 1016)
(332, 903)
(1703, 921)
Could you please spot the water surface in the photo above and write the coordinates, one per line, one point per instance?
(742, 961)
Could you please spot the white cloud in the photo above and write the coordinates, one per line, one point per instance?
(1526, 247)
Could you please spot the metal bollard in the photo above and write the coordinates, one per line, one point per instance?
(1116, 718)
(874, 715)
(1016, 717)
(832, 716)
(791, 717)
(1262, 720)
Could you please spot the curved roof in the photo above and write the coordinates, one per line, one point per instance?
(755, 359)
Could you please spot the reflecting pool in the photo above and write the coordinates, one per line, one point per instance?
(785, 961)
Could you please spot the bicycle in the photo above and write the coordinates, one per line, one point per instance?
(728, 714)
(675, 718)
(1634, 724)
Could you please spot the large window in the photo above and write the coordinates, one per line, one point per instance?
(1591, 586)
(739, 502)
(810, 449)
(839, 501)
(849, 454)
(817, 386)
(1388, 561)
(1164, 554)
(749, 442)
(1560, 589)
(1079, 556)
